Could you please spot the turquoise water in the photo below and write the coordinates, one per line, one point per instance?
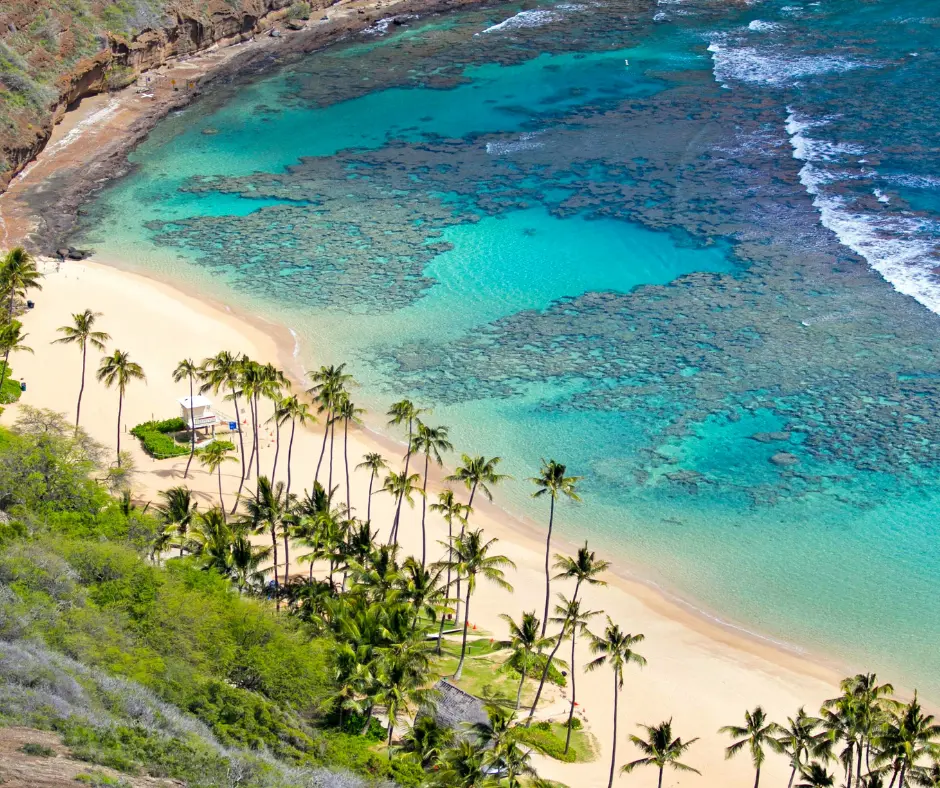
(704, 278)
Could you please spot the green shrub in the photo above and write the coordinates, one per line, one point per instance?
(11, 388)
(37, 749)
(300, 10)
(156, 440)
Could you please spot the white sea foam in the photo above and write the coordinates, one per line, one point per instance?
(661, 16)
(761, 26)
(82, 126)
(903, 249)
(916, 181)
(771, 67)
(882, 197)
(534, 18)
(526, 141)
(381, 27)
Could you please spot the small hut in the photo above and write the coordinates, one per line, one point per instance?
(457, 709)
(197, 413)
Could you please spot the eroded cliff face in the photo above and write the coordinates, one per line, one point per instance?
(53, 53)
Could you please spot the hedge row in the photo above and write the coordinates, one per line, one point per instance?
(156, 438)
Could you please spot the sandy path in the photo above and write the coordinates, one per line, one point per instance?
(699, 673)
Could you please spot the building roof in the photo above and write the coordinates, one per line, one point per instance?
(455, 708)
(195, 402)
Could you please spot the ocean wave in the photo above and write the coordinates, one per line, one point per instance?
(768, 67)
(763, 27)
(915, 181)
(535, 18)
(905, 250)
(526, 141)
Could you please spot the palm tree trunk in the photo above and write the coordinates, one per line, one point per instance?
(901, 776)
(894, 777)
(792, 777)
(277, 445)
(548, 665)
(521, 682)
(277, 587)
(757, 777)
(120, 408)
(462, 529)
(326, 431)
(450, 557)
(254, 435)
(221, 500)
(192, 430)
(548, 551)
(346, 463)
(858, 762)
(290, 448)
(424, 509)
(286, 557)
(369, 503)
(463, 648)
(573, 694)
(391, 728)
(332, 438)
(6, 366)
(81, 389)
(257, 441)
(393, 536)
(659, 784)
(848, 768)
(613, 752)
(241, 453)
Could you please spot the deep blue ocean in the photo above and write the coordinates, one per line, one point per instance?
(688, 248)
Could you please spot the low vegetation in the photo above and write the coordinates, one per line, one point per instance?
(157, 438)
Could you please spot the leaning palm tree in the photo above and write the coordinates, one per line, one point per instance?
(11, 341)
(224, 370)
(176, 511)
(18, 275)
(615, 648)
(82, 333)
(475, 473)
(660, 750)
(212, 458)
(472, 559)
(375, 462)
(118, 370)
(449, 508)
(801, 740)
(566, 613)
(402, 488)
(524, 638)
(187, 370)
(429, 441)
(757, 734)
(552, 481)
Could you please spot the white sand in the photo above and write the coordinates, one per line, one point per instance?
(701, 675)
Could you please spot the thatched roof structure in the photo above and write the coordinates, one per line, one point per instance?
(455, 708)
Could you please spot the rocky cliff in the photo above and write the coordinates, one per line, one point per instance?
(54, 52)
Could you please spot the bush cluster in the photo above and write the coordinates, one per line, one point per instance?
(156, 438)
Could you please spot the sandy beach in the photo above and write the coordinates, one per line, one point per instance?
(700, 674)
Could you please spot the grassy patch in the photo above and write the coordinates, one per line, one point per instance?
(549, 738)
(157, 440)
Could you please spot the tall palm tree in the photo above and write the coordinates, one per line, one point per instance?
(815, 775)
(757, 734)
(449, 508)
(523, 639)
(176, 512)
(348, 412)
(402, 682)
(404, 412)
(578, 621)
(583, 568)
(212, 541)
(552, 481)
(475, 473)
(187, 370)
(429, 441)
(18, 275)
(252, 384)
(274, 384)
(402, 488)
(118, 370)
(329, 383)
(212, 457)
(428, 740)
(565, 613)
(801, 740)
(82, 333)
(907, 739)
(269, 510)
(423, 590)
(246, 562)
(375, 462)
(220, 371)
(11, 341)
(660, 750)
(296, 412)
(471, 559)
(615, 649)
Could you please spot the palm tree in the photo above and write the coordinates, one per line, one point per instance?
(423, 590)
(212, 540)
(187, 370)
(429, 441)
(908, 737)
(269, 510)
(660, 750)
(523, 639)
(449, 508)
(82, 333)
(348, 412)
(11, 341)
(583, 568)
(177, 511)
(553, 482)
(274, 383)
(401, 487)
(564, 613)
(801, 739)
(328, 384)
(756, 734)
(212, 458)
(246, 562)
(118, 370)
(402, 680)
(578, 621)
(815, 776)
(404, 412)
(224, 370)
(427, 740)
(615, 648)
(471, 558)
(463, 766)
(475, 473)
(375, 462)
(292, 409)
(18, 275)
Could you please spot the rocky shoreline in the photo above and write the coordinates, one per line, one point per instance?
(53, 200)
